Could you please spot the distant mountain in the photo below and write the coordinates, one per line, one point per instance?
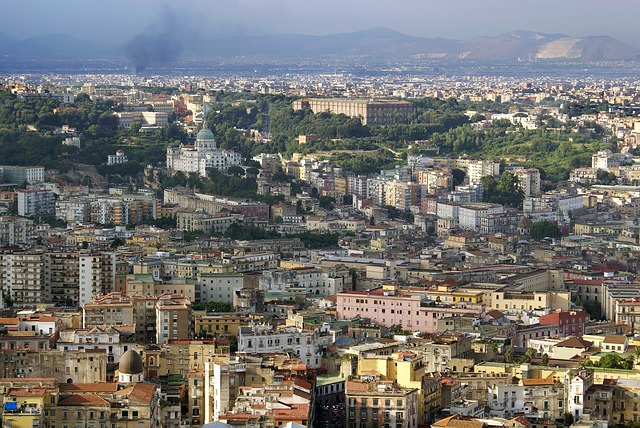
(373, 43)
(385, 43)
(6, 41)
(51, 46)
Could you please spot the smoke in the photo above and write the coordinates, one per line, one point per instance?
(159, 44)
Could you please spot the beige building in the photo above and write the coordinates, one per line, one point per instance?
(530, 300)
(370, 112)
(381, 404)
(174, 318)
(220, 324)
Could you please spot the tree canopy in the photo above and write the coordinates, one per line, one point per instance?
(545, 229)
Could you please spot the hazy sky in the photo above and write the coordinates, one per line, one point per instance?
(119, 20)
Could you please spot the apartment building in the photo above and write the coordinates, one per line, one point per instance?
(219, 324)
(23, 277)
(174, 318)
(261, 339)
(388, 305)
(520, 301)
(16, 230)
(22, 174)
(218, 287)
(382, 404)
(529, 180)
(318, 281)
(36, 202)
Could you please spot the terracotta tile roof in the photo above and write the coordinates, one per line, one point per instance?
(357, 386)
(615, 339)
(495, 314)
(28, 392)
(574, 342)
(533, 382)
(522, 420)
(26, 379)
(140, 392)
(83, 400)
(455, 422)
(99, 387)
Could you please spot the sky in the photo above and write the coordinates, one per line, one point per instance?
(119, 20)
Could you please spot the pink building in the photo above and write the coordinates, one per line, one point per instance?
(387, 306)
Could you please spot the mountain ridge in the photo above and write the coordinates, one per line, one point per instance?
(377, 42)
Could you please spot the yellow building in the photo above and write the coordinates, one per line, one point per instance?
(223, 323)
(455, 295)
(27, 407)
(408, 371)
(530, 300)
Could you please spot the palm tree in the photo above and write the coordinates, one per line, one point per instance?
(508, 355)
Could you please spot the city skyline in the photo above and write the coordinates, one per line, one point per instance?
(118, 22)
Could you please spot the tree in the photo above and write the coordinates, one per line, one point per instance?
(118, 242)
(508, 355)
(236, 170)
(505, 191)
(545, 359)
(568, 419)
(613, 361)
(135, 127)
(545, 229)
(458, 176)
(528, 356)
(592, 307)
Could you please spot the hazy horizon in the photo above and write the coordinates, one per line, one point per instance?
(121, 22)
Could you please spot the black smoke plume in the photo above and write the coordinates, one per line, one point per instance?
(158, 45)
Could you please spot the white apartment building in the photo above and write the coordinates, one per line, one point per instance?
(218, 287)
(470, 214)
(74, 210)
(576, 385)
(357, 185)
(22, 276)
(529, 180)
(36, 202)
(97, 275)
(376, 191)
(505, 401)
(263, 340)
(605, 159)
(105, 338)
(118, 158)
(555, 203)
(317, 281)
(480, 168)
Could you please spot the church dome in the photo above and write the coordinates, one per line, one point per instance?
(205, 134)
(130, 363)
